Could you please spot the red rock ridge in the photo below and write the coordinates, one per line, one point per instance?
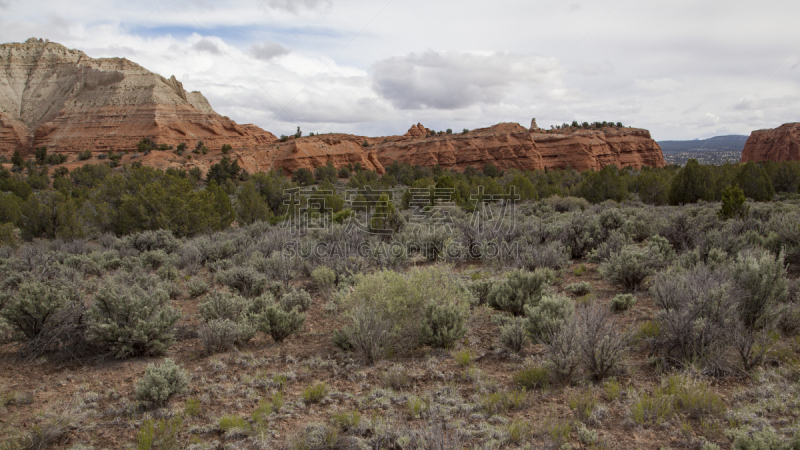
(70, 102)
(776, 144)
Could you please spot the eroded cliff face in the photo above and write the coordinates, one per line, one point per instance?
(61, 98)
(776, 144)
(51, 95)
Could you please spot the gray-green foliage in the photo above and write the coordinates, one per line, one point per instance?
(160, 381)
(764, 439)
(278, 323)
(151, 240)
(296, 298)
(761, 279)
(228, 319)
(244, 279)
(480, 290)
(579, 289)
(443, 324)
(34, 304)
(387, 309)
(548, 316)
(324, 278)
(622, 302)
(514, 335)
(632, 265)
(197, 287)
(520, 288)
(130, 320)
(603, 346)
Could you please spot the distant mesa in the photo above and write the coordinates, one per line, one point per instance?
(61, 98)
(776, 144)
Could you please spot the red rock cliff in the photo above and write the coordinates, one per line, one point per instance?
(69, 102)
(778, 144)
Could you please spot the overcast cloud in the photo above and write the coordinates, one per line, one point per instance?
(683, 69)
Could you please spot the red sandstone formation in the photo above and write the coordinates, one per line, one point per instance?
(69, 102)
(777, 144)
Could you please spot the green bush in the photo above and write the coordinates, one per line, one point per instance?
(131, 321)
(315, 393)
(733, 203)
(296, 298)
(220, 335)
(534, 377)
(34, 306)
(324, 278)
(443, 324)
(197, 287)
(548, 316)
(160, 381)
(579, 289)
(161, 434)
(387, 309)
(622, 302)
(514, 335)
(278, 323)
(521, 288)
(244, 279)
(629, 267)
(761, 279)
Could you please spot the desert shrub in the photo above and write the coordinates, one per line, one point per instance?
(369, 333)
(548, 316)
(160, 381)
(622, 302)
(222, 305)
(582, 403)
(502, 401)
(197, 287)
(443, 324)
(244, 279)
(579, 289)
(762, 281)
(578, 233)
(161, 434)
(220, 335)
(34, 305)
(519, 289)
(396, 378)
(324, 278)
(480, 290)
(152, 240)
(632, 265)
(533, 377)
(698, 306)
(398, 301)
(153, 259)
(603, 346)
(563, 351)
(296, 298)
(131, 321)
(315, 392)
(514, 335)
(278, 323)
(552, 255)
(615, 241)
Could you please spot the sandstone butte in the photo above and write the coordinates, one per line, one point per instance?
(777, 144)
(61, 98)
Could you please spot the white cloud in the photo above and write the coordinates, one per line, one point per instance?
(267, 50)
(296, 5)
(454, 80)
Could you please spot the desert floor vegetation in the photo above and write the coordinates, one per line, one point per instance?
(607, 325)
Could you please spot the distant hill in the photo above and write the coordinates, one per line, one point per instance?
(715, 150)
(734, 142)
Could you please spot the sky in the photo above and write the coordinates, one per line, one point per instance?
(683, 69)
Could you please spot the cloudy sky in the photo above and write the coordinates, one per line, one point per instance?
(683, 69)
